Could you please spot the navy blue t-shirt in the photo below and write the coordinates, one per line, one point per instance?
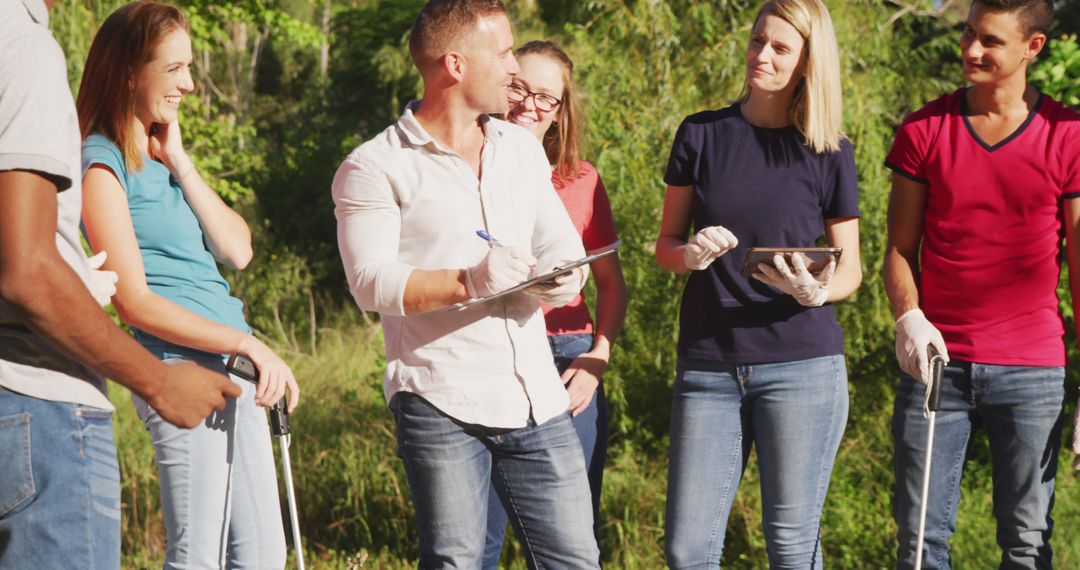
(770, 190)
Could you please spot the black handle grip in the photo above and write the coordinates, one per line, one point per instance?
(279, 418)
(937, 369)
(243, 367)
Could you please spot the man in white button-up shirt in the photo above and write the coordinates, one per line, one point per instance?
(475, 391)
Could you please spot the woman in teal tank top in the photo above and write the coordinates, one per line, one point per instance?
(165, 230)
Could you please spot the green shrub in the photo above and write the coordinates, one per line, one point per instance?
(1058, 73)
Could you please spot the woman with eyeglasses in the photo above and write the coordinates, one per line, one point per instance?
(544, 100)
(761, 358)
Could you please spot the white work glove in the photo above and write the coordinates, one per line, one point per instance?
(1076, 436)
(913, 335)
(706, 245)
(102, 284)
(808, 289)
(560, 290)
(502, 268)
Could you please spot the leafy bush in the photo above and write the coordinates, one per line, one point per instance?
(1058, 73)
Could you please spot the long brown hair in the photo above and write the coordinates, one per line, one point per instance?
(562, 141)
(123, 45)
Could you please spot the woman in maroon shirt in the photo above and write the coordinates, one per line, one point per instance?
(544, 100)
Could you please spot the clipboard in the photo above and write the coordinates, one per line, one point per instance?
(555, 272)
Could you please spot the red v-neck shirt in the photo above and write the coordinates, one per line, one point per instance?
(993, 228)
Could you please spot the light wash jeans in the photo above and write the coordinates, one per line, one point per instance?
(591, 426)
(538, 472)
(59, 486)
(794, 412)
(1020, 409)
(218, 480)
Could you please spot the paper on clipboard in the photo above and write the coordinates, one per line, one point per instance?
(557, 271)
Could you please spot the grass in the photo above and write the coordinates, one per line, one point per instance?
(354, 501)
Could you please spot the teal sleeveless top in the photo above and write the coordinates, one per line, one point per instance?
(176, 258)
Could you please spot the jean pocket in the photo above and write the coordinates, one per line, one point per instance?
(95, 416)
(16, 473)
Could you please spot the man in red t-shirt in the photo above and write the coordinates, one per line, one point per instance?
(983, 193)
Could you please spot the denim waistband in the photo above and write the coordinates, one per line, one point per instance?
(717, 365)
(164, 349)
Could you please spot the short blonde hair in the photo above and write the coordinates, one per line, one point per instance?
(817, 109)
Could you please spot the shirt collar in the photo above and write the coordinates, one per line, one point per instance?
(416, 135)
(39, 12)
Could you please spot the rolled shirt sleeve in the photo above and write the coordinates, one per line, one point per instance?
(368, 232)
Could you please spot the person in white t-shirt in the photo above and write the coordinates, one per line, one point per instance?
(59, 477)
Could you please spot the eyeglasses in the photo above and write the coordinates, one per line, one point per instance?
(544, 102)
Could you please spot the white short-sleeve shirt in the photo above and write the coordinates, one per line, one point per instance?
(39, 132)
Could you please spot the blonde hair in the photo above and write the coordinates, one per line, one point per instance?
(562, 141)
(817, 108)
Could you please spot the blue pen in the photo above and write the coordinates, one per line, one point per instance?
(489, 238)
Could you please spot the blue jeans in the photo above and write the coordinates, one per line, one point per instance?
(538, 473)
(218, 481)
(794, 412)
(59, 486)
(1020, 409)
(591, 426)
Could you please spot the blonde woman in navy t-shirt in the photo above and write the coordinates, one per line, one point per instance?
(761, 360)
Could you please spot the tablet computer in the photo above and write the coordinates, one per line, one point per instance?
(816, 258)
(548, 276)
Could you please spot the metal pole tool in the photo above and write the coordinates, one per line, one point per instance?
(931, 404)
(243, 367)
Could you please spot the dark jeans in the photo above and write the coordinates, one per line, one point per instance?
(591, 426)
(1020, 409)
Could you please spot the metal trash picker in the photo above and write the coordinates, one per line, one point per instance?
(243, 367)
(931, 404)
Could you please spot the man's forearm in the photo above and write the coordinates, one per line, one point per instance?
(430, 290)
(1072, 250)
(1074, 290)
(900, 282)
(51, 300)
(1071, 211)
